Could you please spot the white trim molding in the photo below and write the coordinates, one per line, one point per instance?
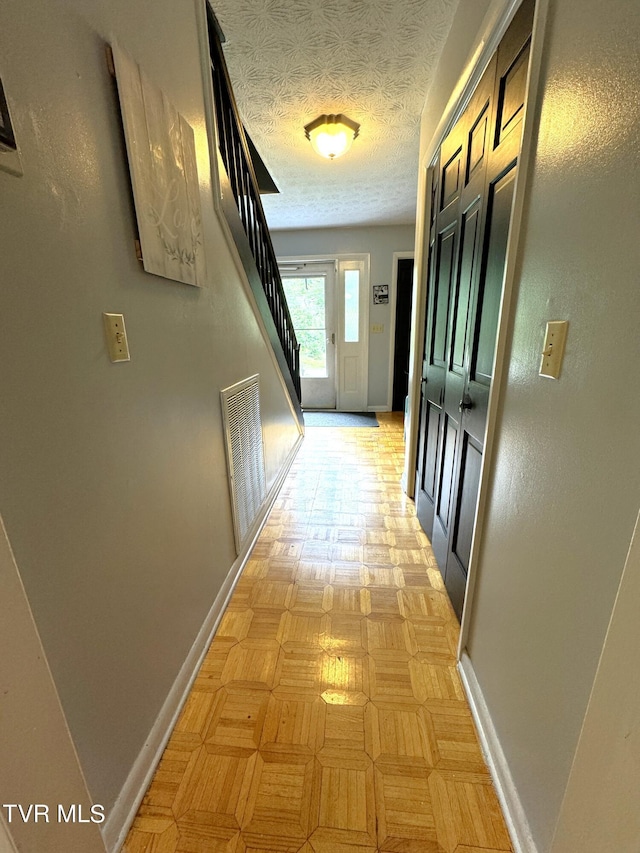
(418, 322)
(361, 261)
(121, 816)
(352, 374)
(514, 814)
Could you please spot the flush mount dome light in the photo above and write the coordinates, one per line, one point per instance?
(331, 136)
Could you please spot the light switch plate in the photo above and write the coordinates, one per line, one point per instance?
(553, 351)
(377, 328)
(116, 335)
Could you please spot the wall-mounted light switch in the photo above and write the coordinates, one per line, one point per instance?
(116, 335)
(553, 351)
(377, 328)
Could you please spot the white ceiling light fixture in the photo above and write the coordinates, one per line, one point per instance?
(331, 136)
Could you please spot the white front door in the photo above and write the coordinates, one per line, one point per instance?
(310, 297)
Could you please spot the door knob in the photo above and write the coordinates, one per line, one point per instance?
(465, 403)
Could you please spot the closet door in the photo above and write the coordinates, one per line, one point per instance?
(473, 130)
(486, 141)
(446, 189)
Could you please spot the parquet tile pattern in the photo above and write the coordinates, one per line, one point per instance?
(328, 715)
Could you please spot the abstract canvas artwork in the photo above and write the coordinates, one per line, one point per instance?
(164, 176)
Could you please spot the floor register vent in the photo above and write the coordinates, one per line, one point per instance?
(245, 454)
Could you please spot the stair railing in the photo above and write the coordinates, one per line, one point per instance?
(234, 153)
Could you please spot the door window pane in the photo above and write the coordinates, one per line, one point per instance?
(351, 306)
(313, 352)
(306, 301)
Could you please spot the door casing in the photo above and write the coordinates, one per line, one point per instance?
(352, 359)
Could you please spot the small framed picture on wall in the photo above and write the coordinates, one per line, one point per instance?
(380, 294)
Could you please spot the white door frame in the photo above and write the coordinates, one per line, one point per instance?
(353, 357)
(356, 401)
(393, 299)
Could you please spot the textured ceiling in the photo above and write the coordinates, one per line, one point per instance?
(373, 60)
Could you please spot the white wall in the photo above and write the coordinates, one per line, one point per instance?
(113, 478)
(598, 814)
(34, 735)
(380, 242)
(566, 478)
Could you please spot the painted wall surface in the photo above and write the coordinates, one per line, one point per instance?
(113, 476)
(566, 480)
(469, 19)
(598, 814)
(380, 242)
(35, 735)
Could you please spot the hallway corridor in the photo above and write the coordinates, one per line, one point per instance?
(328, 714)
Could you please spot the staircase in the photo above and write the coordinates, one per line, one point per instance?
(245, 216)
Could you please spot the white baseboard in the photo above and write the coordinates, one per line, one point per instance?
(124, 809)
(514, 814)
(378, 408)
(126, 806)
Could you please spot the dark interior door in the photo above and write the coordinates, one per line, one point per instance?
(473, 195)
(443, 244)
(404, 299)
(471, 134)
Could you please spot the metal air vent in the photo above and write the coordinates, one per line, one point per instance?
(245, 454)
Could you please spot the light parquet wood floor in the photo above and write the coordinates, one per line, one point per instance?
(328, 714)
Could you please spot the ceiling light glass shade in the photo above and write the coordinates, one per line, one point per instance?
(331, 136)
